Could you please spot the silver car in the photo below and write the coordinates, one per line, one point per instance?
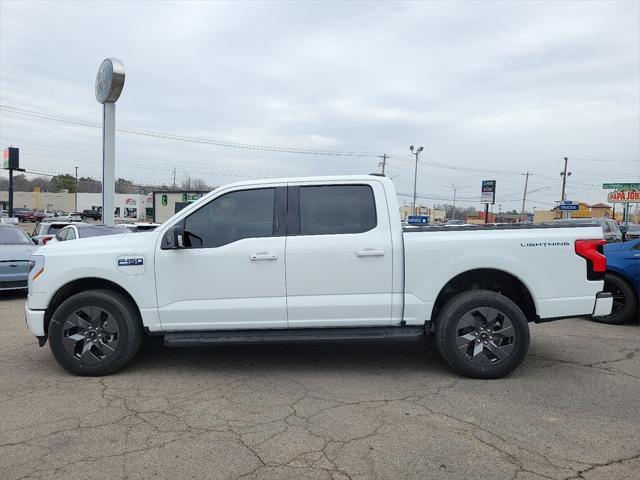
(15, 253)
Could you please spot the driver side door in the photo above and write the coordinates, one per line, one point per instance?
(230, 274)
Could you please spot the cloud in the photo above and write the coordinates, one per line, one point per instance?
(508, 87)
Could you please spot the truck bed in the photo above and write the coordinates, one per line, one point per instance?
(491, 227)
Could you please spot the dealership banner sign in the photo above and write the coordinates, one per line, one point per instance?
(488, 193)
(626, 196)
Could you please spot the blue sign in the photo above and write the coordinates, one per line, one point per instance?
(567, 206)
(418, 219)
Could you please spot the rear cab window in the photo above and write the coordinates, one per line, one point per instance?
(336, 209)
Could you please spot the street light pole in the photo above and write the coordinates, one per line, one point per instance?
(76, 207)
(415, 175)
(454, 201)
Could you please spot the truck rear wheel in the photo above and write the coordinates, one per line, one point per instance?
(625, 300)
(95, 332)
(482, 334)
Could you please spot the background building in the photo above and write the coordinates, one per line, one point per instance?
(165, 203)
(127, 205)
(435, 214)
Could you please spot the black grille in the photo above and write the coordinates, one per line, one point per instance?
(15, 284)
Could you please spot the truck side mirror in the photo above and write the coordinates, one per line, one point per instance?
(173, 238)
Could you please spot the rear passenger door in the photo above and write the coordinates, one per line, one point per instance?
(338, 256)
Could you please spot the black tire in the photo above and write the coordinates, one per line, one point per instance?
(96, 332)
(482, 334)
(625, 301)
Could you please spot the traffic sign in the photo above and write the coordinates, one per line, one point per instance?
(418, 219)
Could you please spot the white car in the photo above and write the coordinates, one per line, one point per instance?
(321, 258)
(86, 230)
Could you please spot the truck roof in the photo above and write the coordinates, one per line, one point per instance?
(326, 178)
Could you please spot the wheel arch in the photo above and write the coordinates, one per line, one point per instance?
(492, 279)
(82, 285)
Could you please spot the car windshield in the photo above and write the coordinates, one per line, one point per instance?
(633, 228)
(99, 231)
(54, 227)
(13, 236)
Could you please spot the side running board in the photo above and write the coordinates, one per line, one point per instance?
(226, 337)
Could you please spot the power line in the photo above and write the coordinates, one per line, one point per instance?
(184, 138)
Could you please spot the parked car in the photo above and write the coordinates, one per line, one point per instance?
(622, 280)
(45, 231)
(91, 214)
(86, 230)
(34, 216)
(140, 227)
(319, 258)
(20, 213)
(15, 253)
(610, 229)
(632, 231)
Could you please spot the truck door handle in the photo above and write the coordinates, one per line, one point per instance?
(370, 252)
(263, 256)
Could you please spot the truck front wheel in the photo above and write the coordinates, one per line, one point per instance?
(95, 332)
(482, 334)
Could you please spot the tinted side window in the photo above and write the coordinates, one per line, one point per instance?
(61, 236)
(335, 209)
(71, 234)
(231, 217)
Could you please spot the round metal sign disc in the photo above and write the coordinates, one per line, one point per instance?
(110, 80)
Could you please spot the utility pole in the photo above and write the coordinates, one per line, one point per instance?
(524, 197)
(417, 153)
(76, 207)
(499, 212)
(383, 163)
(564, 174)
(174, 178)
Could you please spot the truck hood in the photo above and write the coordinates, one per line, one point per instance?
(120, 244)
(16, 252)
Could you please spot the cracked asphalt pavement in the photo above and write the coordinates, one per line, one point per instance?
(374, 410)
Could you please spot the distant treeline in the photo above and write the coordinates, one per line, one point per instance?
(66, 182)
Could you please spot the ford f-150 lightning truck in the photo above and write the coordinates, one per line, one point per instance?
(320, 258)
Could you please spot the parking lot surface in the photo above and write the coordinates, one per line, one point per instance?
(324, 411)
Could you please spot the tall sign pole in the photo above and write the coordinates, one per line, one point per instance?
(109, 84)
(11, 162)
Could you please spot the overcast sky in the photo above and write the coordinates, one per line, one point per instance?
(490, 89)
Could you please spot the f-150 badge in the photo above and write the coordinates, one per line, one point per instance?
(130, 262)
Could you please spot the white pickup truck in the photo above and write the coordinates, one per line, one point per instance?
(321, 258)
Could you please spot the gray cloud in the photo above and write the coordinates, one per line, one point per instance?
(503, 86)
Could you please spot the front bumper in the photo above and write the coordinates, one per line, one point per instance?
(35, 321)
(603, 305)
